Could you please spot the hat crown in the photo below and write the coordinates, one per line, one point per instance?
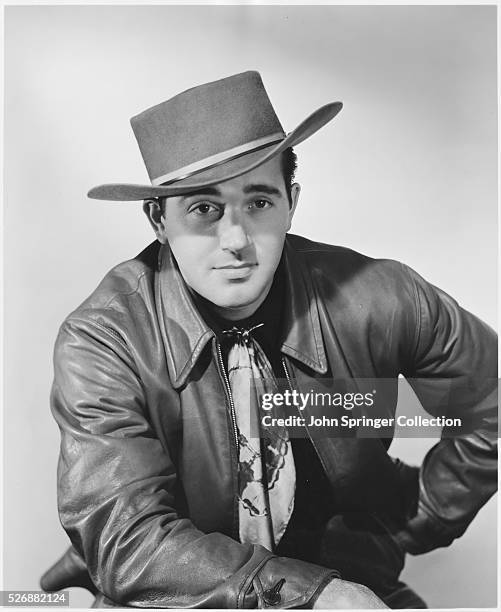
(206, 125)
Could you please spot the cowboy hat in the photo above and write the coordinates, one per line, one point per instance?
(209, 134)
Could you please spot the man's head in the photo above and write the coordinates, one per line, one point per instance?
(228, 239)
(219, 157)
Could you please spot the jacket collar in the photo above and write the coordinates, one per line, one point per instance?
(302, 332)
(186, 333)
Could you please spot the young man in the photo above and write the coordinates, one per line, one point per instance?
(172, 489)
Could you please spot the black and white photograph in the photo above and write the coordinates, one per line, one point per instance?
(250, 291)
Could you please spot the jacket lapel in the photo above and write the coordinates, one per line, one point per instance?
(302, 333)
(185, 332)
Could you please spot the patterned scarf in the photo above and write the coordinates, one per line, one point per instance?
(266, 475)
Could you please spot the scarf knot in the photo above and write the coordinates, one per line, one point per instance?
(241, 334)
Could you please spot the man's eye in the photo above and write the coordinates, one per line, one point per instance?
(261, 204)
(204, 208)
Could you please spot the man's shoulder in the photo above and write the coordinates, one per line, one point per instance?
(340, 262)
(361, 295)
(348, 281)
(123, 289)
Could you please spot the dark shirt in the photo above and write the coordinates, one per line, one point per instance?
(313, 501)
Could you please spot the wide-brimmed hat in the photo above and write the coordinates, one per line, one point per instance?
(209, 134)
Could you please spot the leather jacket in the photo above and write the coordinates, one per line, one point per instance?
(147, 476)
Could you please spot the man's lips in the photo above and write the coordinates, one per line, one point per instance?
(238, 266)
(236, 272)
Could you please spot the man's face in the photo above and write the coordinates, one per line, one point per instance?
(228, 239)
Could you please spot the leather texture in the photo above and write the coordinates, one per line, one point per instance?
(68, 571)
(147, 474)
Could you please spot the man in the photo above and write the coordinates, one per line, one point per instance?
(172, 489)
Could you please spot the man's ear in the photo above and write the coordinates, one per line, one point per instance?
(295, 191)
(153, 210)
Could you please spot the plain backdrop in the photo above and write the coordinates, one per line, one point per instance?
(408, 170)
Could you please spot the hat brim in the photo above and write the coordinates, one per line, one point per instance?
(230, 169)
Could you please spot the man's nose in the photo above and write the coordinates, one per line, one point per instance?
(234, 235)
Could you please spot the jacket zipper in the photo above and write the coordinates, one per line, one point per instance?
(229, 396)
(284, 365)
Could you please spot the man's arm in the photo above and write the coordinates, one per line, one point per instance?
(453, 370)
(116, 496)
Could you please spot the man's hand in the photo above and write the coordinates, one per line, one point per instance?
(341, 594)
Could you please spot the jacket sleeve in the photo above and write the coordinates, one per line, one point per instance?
(453, 371)
(116, 486)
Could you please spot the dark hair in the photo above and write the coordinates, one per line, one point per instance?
(289, 167)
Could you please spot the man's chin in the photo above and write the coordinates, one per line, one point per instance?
(238, 307)
(234, 305)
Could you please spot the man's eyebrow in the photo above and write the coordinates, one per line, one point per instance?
(262, 188)
(208, 191)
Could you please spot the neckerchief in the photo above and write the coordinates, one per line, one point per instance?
(266, 473)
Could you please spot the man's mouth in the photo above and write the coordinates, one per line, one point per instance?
(237, 266)
(237, 272)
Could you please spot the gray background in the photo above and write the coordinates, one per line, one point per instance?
(408, 171)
